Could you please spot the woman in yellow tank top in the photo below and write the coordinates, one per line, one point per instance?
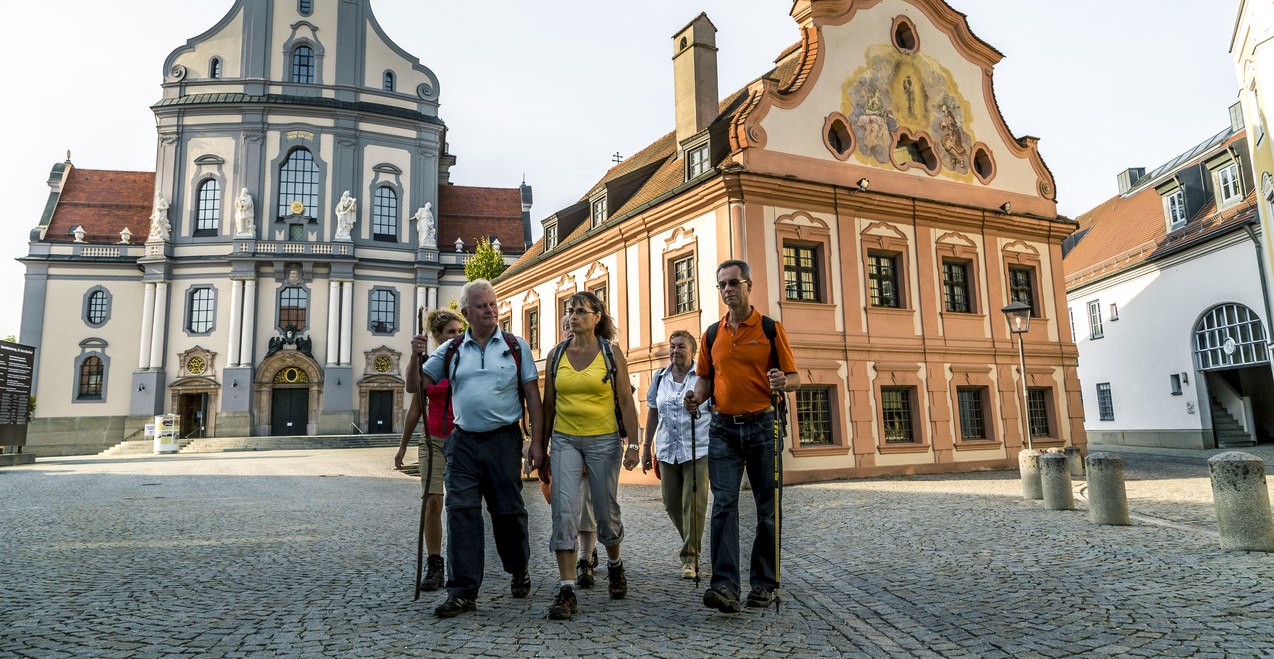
(580, 402)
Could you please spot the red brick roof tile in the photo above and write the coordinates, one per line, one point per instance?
(470, 213)
(103, 202)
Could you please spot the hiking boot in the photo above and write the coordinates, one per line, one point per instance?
(520, 586)
(760, 598)
(618, 582)
(434, 575)
(584, 573)
(564, 605)
(721, 600)
(689, 571)
(454, 606)
(593, 563)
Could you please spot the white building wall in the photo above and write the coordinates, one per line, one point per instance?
(1159, 305)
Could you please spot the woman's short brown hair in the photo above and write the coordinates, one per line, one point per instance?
(690, 340)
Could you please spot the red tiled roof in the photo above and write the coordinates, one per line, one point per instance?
(669, 174)
(103, 202)
(470, 213)
(1126, 230)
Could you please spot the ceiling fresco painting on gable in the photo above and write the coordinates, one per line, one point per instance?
(914, 92)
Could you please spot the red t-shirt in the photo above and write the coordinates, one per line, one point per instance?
(441, 420)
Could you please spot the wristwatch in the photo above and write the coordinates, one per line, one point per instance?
(632, 447)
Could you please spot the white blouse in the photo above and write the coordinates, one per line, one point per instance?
(672, 437)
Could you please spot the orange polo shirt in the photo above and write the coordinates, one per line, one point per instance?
(742, 358)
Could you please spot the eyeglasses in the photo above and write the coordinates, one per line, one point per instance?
(580, 311)
(732, 283)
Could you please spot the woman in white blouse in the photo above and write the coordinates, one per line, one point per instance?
(683, 476)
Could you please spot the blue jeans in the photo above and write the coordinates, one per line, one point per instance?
(484, 465)
(732, 448)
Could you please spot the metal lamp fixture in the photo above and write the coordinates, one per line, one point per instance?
(1019, 316)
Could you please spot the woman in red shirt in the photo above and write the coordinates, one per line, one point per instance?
(442, 325)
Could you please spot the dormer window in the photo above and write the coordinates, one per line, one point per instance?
(599, 211)
(697, 161)
(1176, 201)
(1228, 184)
(550, 237)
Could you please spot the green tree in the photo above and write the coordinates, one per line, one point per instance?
(486, 263)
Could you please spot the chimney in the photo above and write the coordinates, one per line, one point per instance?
(1236, 117)
(694, 72)
(1129, 178)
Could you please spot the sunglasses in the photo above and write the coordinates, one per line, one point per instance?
(732, 283)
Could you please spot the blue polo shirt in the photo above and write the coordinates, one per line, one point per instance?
(484, 381)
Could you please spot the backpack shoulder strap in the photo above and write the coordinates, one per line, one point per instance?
(708, 337)
(608, 356)
(771, 332)
(555, 358)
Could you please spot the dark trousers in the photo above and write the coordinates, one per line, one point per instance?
(732, 449)
(484, 465)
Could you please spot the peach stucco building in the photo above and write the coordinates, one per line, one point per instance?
(888, 213)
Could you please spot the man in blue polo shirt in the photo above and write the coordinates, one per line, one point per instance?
(484, 452)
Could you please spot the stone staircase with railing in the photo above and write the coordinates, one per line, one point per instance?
(1229, 432)
(138, 447)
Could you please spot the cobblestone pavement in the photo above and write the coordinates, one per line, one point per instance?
(311, 553)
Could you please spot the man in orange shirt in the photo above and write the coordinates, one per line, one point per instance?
(741, 369)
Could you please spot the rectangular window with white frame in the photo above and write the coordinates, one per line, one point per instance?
(550, 237)
(683, 285)
(1228, 184)
(599, 212)
(1176, 202)
(1094, 320)
(697, 161)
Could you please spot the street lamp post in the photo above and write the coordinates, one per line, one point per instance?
(1019, 317)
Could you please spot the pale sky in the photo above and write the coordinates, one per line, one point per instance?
(550, 89)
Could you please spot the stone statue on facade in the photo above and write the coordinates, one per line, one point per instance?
(160, 228)
(346, 215)
(244, 215)
(426, 227)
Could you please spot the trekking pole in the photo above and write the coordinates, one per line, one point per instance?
(779, 404)
(694, 489)
(429, 473)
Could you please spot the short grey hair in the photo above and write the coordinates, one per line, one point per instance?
(466, 293)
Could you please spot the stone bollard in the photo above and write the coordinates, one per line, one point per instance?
(1055, 481)
(1107, 498)
(1242, 502)
(1076, 461)
(1029, 466)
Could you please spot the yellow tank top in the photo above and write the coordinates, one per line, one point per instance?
(585, 404)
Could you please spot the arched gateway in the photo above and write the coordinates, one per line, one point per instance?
(287, 388)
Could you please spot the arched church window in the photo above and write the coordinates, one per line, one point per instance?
(214, 68)
(303, 65)
(299, 182)
(304, 7)
(91, 371)
(388, 82)
(97, 307)
(385, 215)
(208, 212)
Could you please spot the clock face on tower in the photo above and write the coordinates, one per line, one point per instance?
(297, 207)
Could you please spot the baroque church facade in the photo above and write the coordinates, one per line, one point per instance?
(888, 214)
(264, 279)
